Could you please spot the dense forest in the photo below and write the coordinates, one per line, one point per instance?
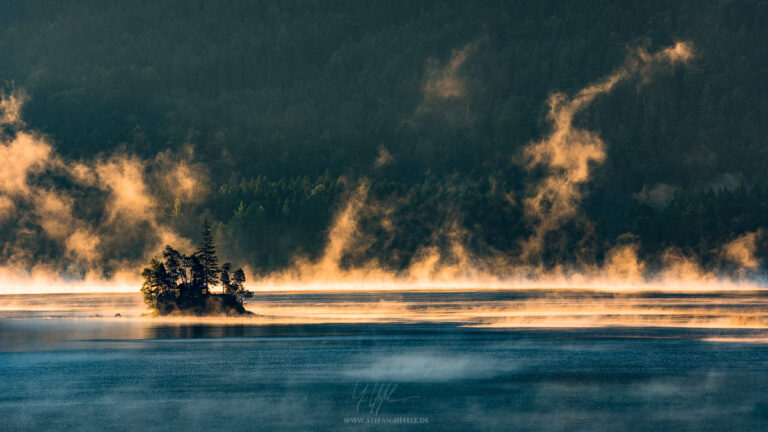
(286, 107)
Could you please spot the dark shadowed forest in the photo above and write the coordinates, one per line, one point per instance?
(282, 108)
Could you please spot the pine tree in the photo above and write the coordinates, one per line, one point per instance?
(207, 255)
(198, 274)
(226, 282)
(156, 285)
(239, 280)
(173, 263)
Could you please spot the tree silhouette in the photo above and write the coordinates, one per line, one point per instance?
(173, 263)
(226, 282)
(182, 283)
(239, 280)
(206, 254)
(157, 284)
(198, 274)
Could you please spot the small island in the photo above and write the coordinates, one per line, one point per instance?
(181, 284)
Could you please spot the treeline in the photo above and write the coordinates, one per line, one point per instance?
(285, 88)
(288, 102)
(268, 223)
(702, 222)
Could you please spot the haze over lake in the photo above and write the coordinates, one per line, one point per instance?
(383, 215)
(68, 363)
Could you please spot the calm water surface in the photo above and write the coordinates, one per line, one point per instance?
(67, 368)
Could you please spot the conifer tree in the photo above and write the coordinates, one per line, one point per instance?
(206, 253)
(173, 264)
(156, 283)
(239, 280)
(226, 282)
(198, 274)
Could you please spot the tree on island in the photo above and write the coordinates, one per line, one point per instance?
(226, 283)
(206, 253)
(239, 282)
(182, 283)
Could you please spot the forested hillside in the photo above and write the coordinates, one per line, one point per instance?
(286, 106)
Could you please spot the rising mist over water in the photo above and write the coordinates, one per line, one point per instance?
(466, 175)
(67, 363)
(453, 216)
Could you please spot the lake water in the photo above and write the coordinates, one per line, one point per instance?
(389, 361)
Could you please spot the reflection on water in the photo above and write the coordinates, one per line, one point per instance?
(521, 308)
(67, 363)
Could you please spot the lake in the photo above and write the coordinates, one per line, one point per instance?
(464, 360)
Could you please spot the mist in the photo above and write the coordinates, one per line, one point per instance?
(86, 223)
(103, 217)
(450, 216)
(563, 161)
